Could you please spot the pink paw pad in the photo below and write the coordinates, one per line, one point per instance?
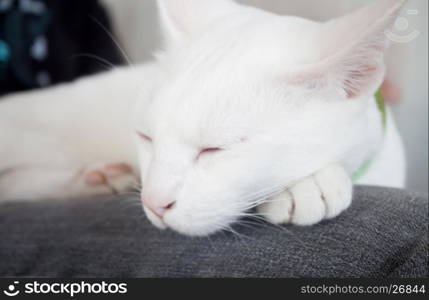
(101, 176)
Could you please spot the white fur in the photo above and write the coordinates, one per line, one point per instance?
(288, 100)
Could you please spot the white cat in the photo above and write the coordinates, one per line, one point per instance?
(242, 108)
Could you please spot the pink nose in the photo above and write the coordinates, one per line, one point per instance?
(159, 208)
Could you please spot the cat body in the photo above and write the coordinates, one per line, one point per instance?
(243, 108)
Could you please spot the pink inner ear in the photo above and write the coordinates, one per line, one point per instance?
(357, 80)
(354, 82)
(349, 52)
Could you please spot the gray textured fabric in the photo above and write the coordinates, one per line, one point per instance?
(383, 234)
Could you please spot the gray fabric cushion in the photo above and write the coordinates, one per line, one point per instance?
(383, 234)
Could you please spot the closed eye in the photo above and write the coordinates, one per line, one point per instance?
(208, 151)
(144, 137)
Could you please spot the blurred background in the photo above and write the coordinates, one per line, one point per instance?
(43, 42)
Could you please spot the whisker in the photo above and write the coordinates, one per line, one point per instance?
(235, 233)
(112, 37)
(263, 191)
(258, 201)
(96, 57)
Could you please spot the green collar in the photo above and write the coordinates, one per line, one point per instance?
(381, 104)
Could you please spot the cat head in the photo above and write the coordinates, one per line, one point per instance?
(245, 102)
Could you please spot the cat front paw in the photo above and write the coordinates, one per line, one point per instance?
(323, 195)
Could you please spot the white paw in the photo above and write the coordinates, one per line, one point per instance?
(113, 178)
(323, 195)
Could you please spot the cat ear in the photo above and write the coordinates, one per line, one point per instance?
(181, 18)
(350, 57)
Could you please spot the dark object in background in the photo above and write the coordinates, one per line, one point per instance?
(43, 42)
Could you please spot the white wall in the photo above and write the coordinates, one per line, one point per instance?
(137, 26)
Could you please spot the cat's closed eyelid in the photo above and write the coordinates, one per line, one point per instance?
(213, 150)
(225, 146)
(209, 150)
(144, 136)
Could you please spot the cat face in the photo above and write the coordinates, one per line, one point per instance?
(244, 103)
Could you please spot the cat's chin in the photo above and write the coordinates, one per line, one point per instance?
(157, 222)
(191, 230)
